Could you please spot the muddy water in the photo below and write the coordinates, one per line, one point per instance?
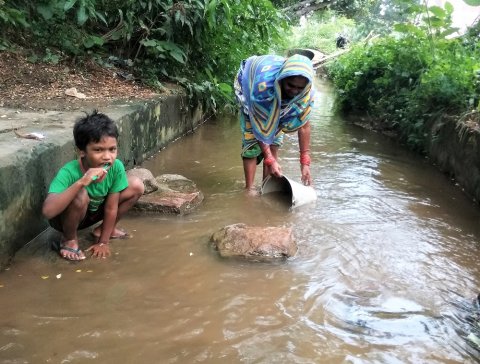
(385, 273)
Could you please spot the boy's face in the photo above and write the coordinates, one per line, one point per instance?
(98, 154)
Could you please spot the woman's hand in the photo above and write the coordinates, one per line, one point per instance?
(306, 177)
(275, 169)
(100, 250)
(272, 166)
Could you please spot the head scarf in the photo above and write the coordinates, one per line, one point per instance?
(263, 95)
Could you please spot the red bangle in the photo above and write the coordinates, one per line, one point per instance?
(269, 161)
(305, 159)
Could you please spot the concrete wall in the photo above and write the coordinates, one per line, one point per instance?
(27, 166)
(454, 146)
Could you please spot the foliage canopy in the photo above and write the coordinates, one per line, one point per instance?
(203, 41)
(409, 78)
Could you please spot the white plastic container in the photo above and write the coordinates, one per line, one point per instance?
(297, 193)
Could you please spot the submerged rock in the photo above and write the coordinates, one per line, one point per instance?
(174, 194)
(255, 242)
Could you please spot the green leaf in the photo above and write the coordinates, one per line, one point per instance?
(225, 88)
(212, 5)
(449, 8)
(437, 11)
(69, 4)
(472, 2)
(437, 22)
(149, 42)
(93, 40)
(101, 17)
(178, 56)
(449, 31)
(407, 28)
(45, 11)
(81, 15)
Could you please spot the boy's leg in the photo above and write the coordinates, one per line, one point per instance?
(68, 222)
(128, 197)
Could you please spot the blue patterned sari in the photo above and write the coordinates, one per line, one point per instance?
(264, 116)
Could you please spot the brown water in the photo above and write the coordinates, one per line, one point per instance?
(385, 273)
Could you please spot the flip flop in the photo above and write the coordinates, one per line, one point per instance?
(78, 252)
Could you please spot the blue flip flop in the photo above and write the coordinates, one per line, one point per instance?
(78, 252)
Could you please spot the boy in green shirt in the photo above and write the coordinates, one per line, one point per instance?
(90, 189)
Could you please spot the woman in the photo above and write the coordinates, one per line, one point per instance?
(275, 96)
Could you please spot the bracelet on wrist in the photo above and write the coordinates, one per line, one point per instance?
(305, 160)
(268, 161)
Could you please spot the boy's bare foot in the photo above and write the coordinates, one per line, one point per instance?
(70, 250)
(116, 234)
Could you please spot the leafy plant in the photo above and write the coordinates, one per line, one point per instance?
(320, 32)
(407, 79)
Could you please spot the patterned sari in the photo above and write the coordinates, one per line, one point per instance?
(264, 116)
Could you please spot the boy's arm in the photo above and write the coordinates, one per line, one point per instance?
(101, 249)
(56, 203)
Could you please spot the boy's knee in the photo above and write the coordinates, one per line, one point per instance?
(137, 186)
(81, 200)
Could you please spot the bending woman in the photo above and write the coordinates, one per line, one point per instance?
(275, 95)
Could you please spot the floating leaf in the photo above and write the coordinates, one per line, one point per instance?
(45, 277)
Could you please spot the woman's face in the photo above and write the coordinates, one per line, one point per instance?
(292, 86)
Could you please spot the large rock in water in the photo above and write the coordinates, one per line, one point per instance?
(169, 193)
(255, 242)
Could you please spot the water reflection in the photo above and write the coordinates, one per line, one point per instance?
(385, 271)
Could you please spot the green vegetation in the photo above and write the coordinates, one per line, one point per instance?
(199, 43)
(410, 78)
(405, 76)
(320, 32)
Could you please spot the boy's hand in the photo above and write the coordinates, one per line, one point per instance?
(100, 250)
(92, 175)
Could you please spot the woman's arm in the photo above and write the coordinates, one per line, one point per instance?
(270, 161)
(304, 142)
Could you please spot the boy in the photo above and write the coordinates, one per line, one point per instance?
(90, 189)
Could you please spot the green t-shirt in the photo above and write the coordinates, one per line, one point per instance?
(115, 181)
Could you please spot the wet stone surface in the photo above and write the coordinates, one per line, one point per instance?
(255, 243)
(167, 193)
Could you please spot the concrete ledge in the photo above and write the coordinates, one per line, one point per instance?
(27, 166)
